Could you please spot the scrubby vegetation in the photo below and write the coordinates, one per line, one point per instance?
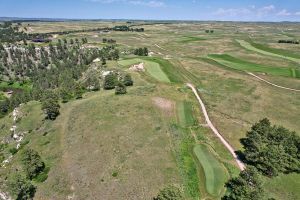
(248, 185)
(120, 89)
(20, 187)
(169, 193)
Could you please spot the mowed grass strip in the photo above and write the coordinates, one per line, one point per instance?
(243, 65)
(188, 39)
(169, 69)
(215, 173)
(263, 49)
(185, 114)
(152, 68)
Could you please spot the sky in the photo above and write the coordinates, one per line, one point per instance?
(224, 10)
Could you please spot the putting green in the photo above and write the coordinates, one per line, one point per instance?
(250, 47)
(214, 171)
(152, 68)
(243, 65)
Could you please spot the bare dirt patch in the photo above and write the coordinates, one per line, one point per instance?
(167, 106)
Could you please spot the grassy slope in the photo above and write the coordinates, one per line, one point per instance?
(215, 173)
(243, 65)
(283, 186)
(269, 51)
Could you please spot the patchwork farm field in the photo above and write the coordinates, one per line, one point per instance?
(131, 146)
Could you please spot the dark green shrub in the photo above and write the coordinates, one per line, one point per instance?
(13, 150)
(120, 89)
(20, 187)
(32, 162)
(127, 80)
(110, 81)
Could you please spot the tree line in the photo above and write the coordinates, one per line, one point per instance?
(56, 67)
(289, 41)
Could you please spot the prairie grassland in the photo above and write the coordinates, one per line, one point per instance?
(130, 146)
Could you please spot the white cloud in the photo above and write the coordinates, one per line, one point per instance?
(232, 12)
(254, 12)
(284, 12)
(148, 3)
(265, 10)
(297, 13)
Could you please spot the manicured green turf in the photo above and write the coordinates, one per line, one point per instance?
(185, 114)
(158, 68)
(128, 62)
(170, 70)
(269, 51)
(155, 71)
(215, 174)
(243, 65)
(152, 68)
(187, 39)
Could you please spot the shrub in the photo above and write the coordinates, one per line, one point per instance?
(20, 187)
(120, 89)
(141, 51)
(51, 108)
(247, 185)
(32, 162)
(127, 80)
(110, 81)
(169, 193)
(13, 150)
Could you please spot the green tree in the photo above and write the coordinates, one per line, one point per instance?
(20, 187)
(169, 193)
(32, 163)
(247, 186)
(120, 89)
(51, 108)
(272, 149)
(127, 80)
(110, 81)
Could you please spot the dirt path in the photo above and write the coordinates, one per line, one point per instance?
(286, 88)
(216, 132)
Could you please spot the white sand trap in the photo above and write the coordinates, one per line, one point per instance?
(139, 67)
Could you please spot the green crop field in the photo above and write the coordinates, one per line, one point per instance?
(214, 171)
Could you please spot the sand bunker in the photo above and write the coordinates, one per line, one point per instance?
(138, 67)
